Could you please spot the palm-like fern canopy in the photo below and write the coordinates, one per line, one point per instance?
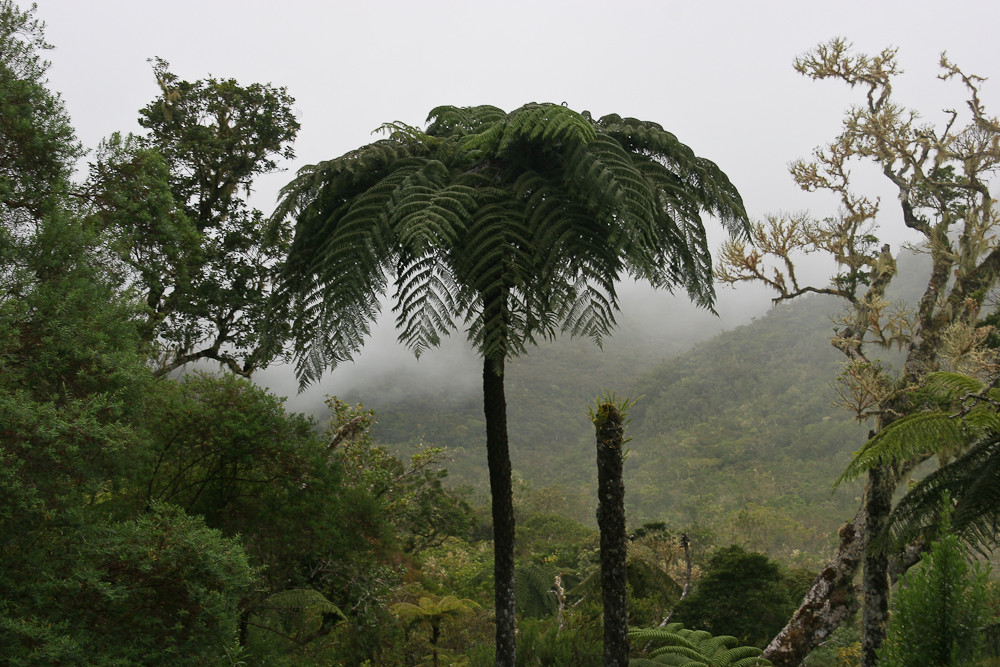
(516, 225)
(962, 428)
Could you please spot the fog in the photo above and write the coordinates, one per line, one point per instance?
(717, 74)
(385, 370)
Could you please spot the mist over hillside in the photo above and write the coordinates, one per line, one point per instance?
(652, 326)
(735, 429)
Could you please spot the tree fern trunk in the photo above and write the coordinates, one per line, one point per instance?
(611, 521)
(498, 458)
(878, 498)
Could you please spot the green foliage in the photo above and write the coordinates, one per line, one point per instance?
(939, 610)
(542, 207)
(38, 147)
(533, 589)
(170, 206)
(222, 447)
(962, 428)
(604, 405)
(938, 430)
(693, 648)
(550, 643)
(288, 620)
(432, 614)
(971, 480)
(82, 579)
(162, 588)
(411, 496)
(755, 448)
(740, 594)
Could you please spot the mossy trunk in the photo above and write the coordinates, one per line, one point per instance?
(611, 521)
(878, 498)
(498, 459)
(832, 600)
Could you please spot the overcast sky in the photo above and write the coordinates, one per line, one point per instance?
(716, 73)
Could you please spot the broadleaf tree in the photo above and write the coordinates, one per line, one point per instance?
(942, 178)
(80, 580)
(515, 226)
(174, 206)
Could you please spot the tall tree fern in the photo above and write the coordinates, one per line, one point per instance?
(962, 428)
(514, 226)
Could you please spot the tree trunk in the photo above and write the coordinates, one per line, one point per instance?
(878, 499)
(832, 599)
(611, 521)
(498, 458)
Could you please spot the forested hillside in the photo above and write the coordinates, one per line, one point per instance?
(738, 433)
(159, 505)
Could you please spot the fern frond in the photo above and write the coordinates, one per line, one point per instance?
(953, 386)
(538, 211)
(461, 121)
(697, 647)
(425, 303)
(971, 481)
(544, 123)
(912, 436)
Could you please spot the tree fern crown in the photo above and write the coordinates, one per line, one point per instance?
(516, 225)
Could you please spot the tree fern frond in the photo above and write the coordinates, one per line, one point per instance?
(912, 436)
(971, 481)
(461, 121)
(425, 303)
(533, 583)
(708, 185)
(544, 123)
(697, 647)
(953, 386)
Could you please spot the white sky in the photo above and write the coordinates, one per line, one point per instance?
(716, 73)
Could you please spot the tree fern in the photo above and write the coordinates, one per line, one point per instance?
(298, 614)
(533, 587)
(694, 648)
(514, 226)
(961, 419)
(963, 422)
(971, 480)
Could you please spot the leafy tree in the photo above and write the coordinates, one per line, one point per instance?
(942, 178)
(939, 611)
(411, 496)
(38, 147)
(170, 203)
(517, 224)
(740, 594)
(222, 448)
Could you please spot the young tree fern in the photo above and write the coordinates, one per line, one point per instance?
(693, 648)
(514, 226)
